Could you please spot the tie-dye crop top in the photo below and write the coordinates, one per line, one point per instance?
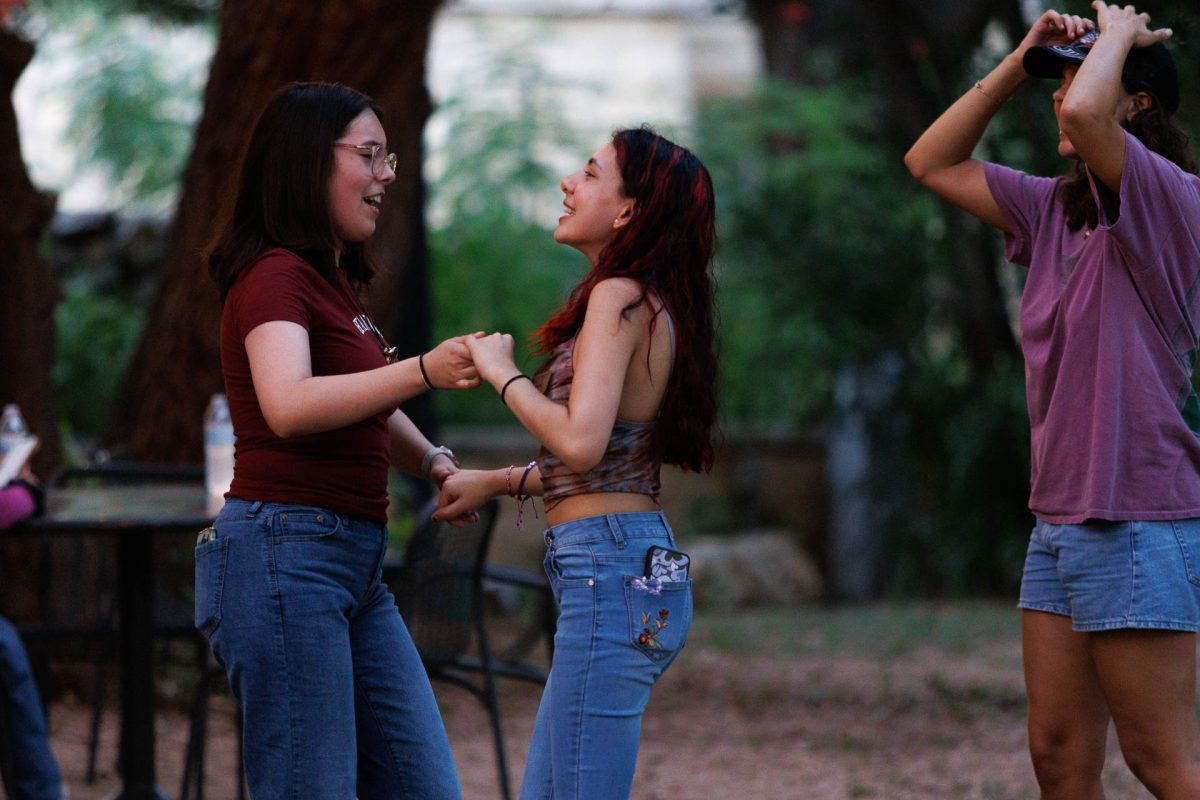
(631, 462)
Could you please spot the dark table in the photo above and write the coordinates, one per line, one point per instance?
(132, 515)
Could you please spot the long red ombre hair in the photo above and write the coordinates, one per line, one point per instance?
(667, 247)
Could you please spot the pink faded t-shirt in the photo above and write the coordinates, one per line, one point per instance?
(1109, 332)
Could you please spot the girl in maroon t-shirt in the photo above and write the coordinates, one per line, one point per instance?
(1109, 596)
(335, 701)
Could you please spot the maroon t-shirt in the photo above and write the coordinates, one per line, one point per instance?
(343, 470)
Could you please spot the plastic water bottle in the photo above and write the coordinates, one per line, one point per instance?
(218, 452)
(12, 428)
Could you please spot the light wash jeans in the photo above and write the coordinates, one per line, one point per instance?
(35, 773)
(335, 702)
(614, 640)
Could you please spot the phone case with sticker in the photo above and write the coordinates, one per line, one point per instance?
(666, 565)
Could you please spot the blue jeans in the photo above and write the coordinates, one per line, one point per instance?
(614, 640)
(35, 773)
(1107, 575)
(335, 701)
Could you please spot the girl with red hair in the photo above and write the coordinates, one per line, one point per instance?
(628, 384)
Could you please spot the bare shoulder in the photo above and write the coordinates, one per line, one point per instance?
(616, 291)
(613, 304)
(612, 297)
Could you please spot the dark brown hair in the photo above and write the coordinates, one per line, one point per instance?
(283, 189)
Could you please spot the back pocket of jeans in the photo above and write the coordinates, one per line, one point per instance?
(660, 615)
(210, 583)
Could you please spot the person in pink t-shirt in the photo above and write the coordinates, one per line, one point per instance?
(1109, 331)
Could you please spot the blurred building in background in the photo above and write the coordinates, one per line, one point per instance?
(603, 63)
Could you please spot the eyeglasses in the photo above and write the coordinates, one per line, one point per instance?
(378, 158)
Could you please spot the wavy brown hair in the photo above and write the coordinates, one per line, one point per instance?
(667, 247)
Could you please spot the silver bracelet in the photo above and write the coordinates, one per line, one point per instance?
(427, 459)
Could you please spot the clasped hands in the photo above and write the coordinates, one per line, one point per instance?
(462, 362)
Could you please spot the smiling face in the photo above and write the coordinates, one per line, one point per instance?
(596, 205)
(354, 192)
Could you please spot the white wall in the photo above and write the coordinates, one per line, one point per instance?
(604, 69)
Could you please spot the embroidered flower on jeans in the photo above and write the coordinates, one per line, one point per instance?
(649, 634)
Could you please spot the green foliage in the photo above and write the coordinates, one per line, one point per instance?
(966, 525)
(495, 272)
(495, 265)
(96, 337)
(831, 256)
(820, 263)
(170, 11)
(134, 99)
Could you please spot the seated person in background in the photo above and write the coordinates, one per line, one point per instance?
(35, 773)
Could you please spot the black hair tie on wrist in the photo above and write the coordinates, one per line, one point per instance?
(424, 375)
(509, 382)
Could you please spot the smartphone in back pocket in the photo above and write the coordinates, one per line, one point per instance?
(666, 565)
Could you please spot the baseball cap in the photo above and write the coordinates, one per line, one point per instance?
(1147, 69)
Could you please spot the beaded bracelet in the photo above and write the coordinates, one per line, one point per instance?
(521, 497)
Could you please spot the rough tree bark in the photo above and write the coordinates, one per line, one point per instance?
(376, 46)
(28, 290)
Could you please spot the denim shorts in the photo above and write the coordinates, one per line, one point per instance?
(1107, 575)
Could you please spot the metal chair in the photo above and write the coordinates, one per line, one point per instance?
(440, 589)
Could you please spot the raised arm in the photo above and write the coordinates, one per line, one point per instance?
(296, 402)
(578, 433)
(1095, 104)
(941, 158)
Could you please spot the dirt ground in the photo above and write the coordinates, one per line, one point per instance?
(822, 722)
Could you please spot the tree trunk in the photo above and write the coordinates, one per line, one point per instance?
(923, 57)
(376, 46)
(920, 49)
(28, 290)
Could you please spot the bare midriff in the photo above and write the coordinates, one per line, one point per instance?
(578, 506)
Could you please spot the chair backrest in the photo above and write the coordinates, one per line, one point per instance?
(438, 588)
